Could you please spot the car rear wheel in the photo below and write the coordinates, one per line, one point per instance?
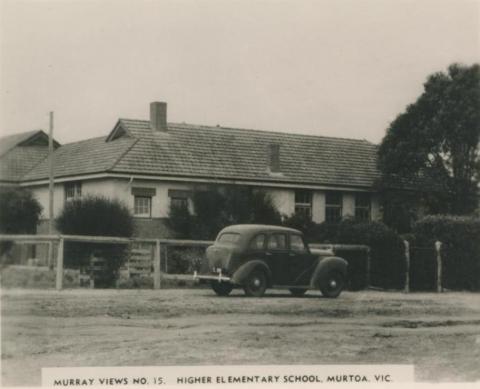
(332, 285)
(222, 288)
(297, 292)
(255, 284)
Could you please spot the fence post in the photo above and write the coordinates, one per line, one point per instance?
(59, 276)
(50, 254)
(156, 266)
(407, 266)
(369, 267)
(438, 249)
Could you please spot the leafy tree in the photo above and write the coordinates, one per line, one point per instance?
(19, 211)
(217, 208)
(96, 216)
(435, 144)
(19, 214)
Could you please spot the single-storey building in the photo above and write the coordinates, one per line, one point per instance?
(149, 164)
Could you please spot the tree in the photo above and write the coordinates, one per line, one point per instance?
(96, 216)
(434, 144)
(216, 208)
(19, 211)
(19, 214)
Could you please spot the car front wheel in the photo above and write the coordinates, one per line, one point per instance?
(332, 285)
(255, 284)
(222, 288)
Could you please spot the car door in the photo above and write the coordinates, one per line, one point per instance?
(300, 260)
(277, 258)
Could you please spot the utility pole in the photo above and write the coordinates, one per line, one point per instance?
(50, 175)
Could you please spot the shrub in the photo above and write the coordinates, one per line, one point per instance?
(136, 282)
(19, 214)
(184, 260)
(96, 216)
(460, 247)
(386, 248)
(301, 222)
(217, 208)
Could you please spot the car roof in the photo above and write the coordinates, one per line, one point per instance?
(252, 228)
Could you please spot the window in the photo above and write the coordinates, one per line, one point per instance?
(73, 190)
(297, 243)
(303, 203)
(362, 207)
(333, 207)
(142, 206)
(229, 237)
(277, 242)
(142, 203)
(179, 198)
(258, 242)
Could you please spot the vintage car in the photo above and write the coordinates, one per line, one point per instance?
(257, 257)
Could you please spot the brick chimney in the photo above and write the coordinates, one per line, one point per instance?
(158, 116)
(274, 157)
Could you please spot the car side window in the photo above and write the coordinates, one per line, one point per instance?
(297, 243)
(258, 242)
(277, 242)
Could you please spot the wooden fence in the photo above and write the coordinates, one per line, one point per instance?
(138, 264)
(61, 239)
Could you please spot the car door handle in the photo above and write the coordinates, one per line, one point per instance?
(292, 254)
(269, 254)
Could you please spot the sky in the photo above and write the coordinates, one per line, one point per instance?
(342, 68)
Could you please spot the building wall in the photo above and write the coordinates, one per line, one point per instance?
(284, 200)
(348, 206)
(155, 226)
(318, 206)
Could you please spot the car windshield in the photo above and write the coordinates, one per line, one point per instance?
(228, 238)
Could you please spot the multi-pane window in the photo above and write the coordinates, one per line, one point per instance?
(142, 206)
(73, 190)
(142, 201)
(179, 198)
(363, 206)
(303, 203)
(277, 242)
(333, 206)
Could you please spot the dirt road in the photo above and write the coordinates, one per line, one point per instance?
(439, 334)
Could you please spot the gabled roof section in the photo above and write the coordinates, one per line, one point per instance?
(20, 153)
(84, 157)
(29, 138)
(118, 131)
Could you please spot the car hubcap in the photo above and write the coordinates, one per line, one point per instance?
(333, 284)
(256, 282)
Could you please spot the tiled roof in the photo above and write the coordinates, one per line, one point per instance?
(228, 153)
(84, 157)
(219, 153)
(8, 142)
(19, 153)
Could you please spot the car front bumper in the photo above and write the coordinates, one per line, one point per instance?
(212, 277)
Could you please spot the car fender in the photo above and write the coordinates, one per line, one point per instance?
(324, 265)
(243, 271)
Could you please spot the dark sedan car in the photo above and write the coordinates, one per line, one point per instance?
(257, 257)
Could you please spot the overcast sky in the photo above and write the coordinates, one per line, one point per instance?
(336, 68)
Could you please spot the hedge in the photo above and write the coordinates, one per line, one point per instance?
(460, 237)
(386, 249)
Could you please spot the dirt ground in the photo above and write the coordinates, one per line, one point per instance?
(438, 333)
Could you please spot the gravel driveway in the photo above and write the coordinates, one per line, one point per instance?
(438, 333)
